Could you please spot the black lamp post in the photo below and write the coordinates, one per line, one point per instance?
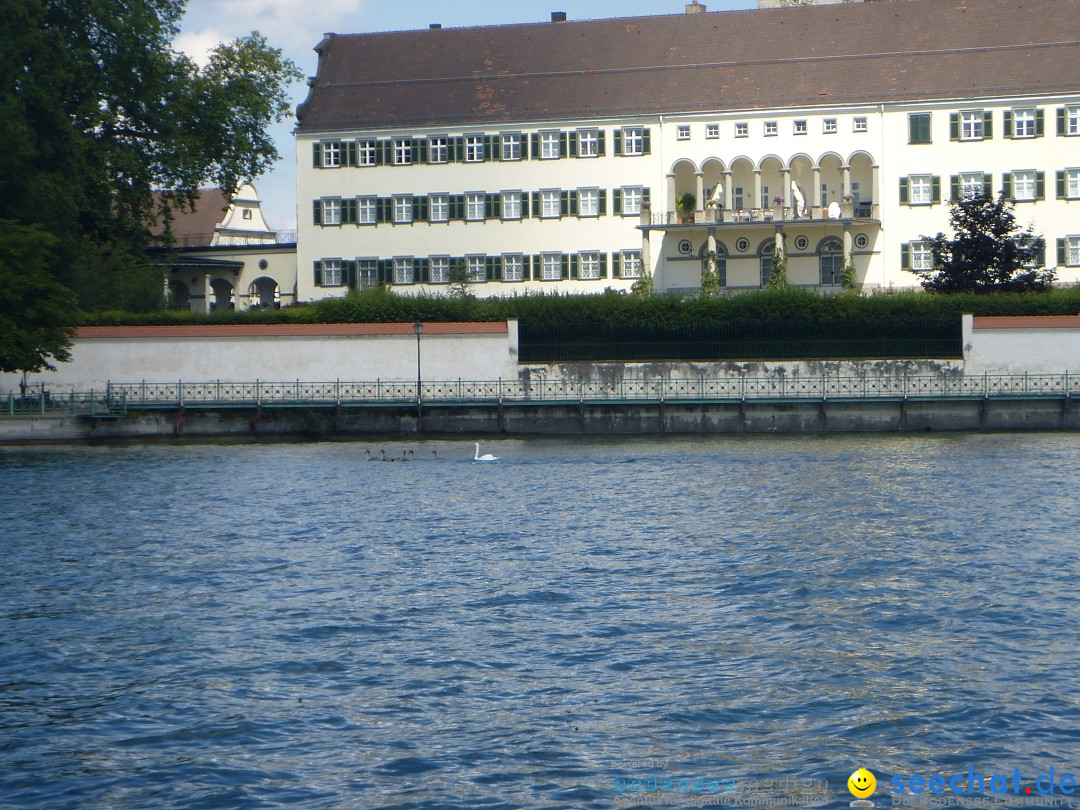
(418, 327)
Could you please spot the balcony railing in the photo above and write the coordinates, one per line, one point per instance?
(745, 216)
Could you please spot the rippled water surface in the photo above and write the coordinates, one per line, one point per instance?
(293, 626)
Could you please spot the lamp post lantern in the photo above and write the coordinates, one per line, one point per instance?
(418, 327)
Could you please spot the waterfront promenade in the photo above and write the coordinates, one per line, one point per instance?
(544, 405)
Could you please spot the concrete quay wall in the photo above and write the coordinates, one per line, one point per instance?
(563, 419)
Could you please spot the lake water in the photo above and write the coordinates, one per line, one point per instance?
(293, 626)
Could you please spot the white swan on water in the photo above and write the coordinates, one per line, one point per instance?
(485, 457)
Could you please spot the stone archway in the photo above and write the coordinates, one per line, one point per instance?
(264, 293)
(179, 295)
(222, 292)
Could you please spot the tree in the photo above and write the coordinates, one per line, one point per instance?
(97, 111)
(778, 279)
(710, 277)
(36, 311)
(988, 253)
(458, 277)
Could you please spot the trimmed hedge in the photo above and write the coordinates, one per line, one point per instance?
(612, 308)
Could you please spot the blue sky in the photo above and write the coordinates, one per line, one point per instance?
(296, 26)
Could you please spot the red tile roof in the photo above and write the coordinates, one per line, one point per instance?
(1026, 322)
(196, 228)
(727, 60)
(288, 330)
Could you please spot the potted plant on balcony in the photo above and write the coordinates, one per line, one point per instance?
(847, 207)
(685, 204)
(778, 206)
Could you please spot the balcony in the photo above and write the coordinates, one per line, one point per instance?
(740, 218)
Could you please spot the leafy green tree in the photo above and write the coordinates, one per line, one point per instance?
(988, 253)
(36, 311)
(710, 278)
(97, 111)
(778, 279)
(458, 276)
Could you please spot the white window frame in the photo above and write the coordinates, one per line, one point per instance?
(971, 125)
(799, 127)
(365, 152)
(682, 132)
(511, 204)
(860, 124)
(920, 255)
(1072, 251)
(333, 272)
(439, 267)
(920, 189)
(712, 131)
(476, 267)
(631, 200)
(1072, 184)
(633, 141)
(403, 151)
(551, 267)
(742, 129)
(404, 270)
(971, 183)
(474, 206)
(588, 143)
(367, 211)
(630, 264)
(589, 265)
(331, 154)
(1072, 120)
(367, 273)
(549, 145)
(829, 126)
(438, 207)
(1024, 186)
(588, 202)
(550, 203)
(772, 128)
(331, 211)
(513, 267)
(402, 204)
(438, 149)
(1024, 123)
(510, 146)
(474, 148)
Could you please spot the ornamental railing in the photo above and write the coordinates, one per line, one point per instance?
(119, 399)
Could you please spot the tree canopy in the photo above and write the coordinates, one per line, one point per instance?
(36, 311)
(97, 111)
(988, 253)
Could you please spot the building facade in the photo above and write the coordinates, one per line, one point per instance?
(577, 156)
(225, 256)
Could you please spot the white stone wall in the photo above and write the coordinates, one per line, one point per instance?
(1034, 350)
(97, 361)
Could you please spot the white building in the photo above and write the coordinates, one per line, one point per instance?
(225, 256)
(552, 156)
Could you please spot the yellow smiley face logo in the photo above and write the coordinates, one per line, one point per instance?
(862, 783)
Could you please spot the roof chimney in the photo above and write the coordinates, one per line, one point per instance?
(435, 26)
(695, 8)
(558, 16)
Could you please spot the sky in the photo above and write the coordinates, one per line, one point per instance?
(296, 26)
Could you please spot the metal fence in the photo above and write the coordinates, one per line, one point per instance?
(119, 399)
(935, 338)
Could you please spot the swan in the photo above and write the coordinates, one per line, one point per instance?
(369, 457)
(485, 457)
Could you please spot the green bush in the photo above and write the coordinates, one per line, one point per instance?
(611, 307)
